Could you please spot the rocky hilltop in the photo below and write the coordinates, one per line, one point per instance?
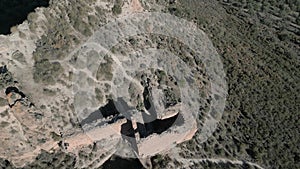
(47, 69)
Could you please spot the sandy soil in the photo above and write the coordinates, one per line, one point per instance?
(136, 6)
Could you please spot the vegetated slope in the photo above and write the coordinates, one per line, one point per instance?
(46, 160)
(261, 59)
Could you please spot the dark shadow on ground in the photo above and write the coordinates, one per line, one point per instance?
(103, 112)
(14, 12)
(159, 126)
(121, 163)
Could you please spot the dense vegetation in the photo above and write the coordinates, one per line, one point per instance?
(46, 160)
(259, 44)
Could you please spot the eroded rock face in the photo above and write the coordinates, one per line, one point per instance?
(22, 124)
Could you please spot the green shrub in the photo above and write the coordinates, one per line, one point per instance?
(47, 72)
(117, 8)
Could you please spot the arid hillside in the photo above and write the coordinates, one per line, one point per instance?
(59, 110)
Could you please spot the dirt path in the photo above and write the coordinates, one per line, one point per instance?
(136, 6)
